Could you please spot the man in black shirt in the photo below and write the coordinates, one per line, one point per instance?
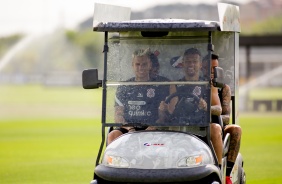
(138, 103)
(192, 64)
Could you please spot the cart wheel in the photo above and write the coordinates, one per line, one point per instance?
(243, 176)
(94, 182)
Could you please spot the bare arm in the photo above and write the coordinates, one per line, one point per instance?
(216, 110)
(226, 98)
(163, 107)
(215, 102)
(119, 112)
(173, 101)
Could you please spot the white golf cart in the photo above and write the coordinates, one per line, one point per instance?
(178, 151)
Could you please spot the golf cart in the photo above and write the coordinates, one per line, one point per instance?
(178, 151)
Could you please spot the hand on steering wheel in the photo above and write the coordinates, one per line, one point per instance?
(202, 104)
(195, 98)
(187, 107)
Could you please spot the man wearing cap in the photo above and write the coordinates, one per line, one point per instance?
(192, 64)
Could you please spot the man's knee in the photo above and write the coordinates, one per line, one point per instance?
(216, 131)
(233, 129)
(113, 135)
(215, 128)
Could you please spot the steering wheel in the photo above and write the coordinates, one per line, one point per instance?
(178, 94)
(186, 109)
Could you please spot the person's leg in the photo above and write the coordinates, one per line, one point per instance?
(235, 132)
(216, 139)
(115, 134)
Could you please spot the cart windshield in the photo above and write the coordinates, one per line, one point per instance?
(143, 73)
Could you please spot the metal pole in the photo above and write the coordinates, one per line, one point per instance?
(106, 48)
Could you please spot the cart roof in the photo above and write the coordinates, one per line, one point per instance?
(158, 25)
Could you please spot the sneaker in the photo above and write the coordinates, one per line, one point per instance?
(228, 180)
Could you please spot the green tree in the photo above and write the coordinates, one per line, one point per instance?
(91, 44)
(7, 42)
(272, 25)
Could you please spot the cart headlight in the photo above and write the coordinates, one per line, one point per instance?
(116, 161)
(191, 161)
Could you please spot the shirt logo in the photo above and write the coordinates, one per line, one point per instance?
(140, 95)
(151, 93)
(153, 144)
(136, 102)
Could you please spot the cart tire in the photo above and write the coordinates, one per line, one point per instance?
(94, 182)
(243, 176)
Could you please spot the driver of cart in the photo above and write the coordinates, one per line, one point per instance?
(235, 131)
(192, 64)
(138, 103)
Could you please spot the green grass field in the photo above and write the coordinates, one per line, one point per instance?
(48, 150)
(52, 135)
(261, 147)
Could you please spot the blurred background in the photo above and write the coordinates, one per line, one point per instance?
(50, 125)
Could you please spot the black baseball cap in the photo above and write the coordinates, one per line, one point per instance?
(215, 56)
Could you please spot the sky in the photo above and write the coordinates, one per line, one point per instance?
(43, 16)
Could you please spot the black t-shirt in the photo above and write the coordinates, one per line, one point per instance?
(141, 102)
(186, 109)
(195, 89)
(158, 78)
